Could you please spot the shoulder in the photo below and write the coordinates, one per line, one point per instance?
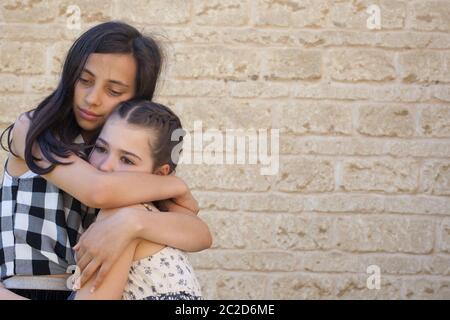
(19, 133)
(22, 123)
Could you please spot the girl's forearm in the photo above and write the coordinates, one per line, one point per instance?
(119, 189)
(178, 230)
(95, 188)
(186, 201)
(112, 189)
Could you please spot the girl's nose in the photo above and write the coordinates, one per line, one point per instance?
(107, 165)
(93, 96)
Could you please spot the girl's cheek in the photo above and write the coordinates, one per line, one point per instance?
(94, 159)
(112, 104)
(79, 90)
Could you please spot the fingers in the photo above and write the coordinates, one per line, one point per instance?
(80, 253)
(78, 246)
(84, 261)
(101, 276)
(76, 285)
(89, 271)
(80, 240)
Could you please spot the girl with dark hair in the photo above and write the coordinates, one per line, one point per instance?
(48, 187)
(142, 136)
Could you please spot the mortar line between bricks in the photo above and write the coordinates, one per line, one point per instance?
(330, 251)
(269, 273)
(332, 274)
(286, 101)
(350, 138)
(433, 102)
(424, 216)
(312, 193)
(250, 27)
(290, 101)
(311, 30)
(51, 41)
(303, 48)
(332, 192)
(190, 44)
(340, 157)
(344, 194)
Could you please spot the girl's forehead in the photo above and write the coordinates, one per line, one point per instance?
(112, 67)
(120, 135)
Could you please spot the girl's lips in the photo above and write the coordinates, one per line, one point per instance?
(86, 115)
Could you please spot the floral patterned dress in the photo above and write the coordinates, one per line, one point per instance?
(166, 275)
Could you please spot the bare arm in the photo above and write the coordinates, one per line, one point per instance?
(99, 189)
(112, 190)
(102, 244)
(114, 282)
(177, 230)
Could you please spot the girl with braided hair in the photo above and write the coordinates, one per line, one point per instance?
(142, 136)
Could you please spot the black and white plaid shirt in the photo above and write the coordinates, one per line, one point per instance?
(39, 226)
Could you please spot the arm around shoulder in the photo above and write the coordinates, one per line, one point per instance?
(99, 189)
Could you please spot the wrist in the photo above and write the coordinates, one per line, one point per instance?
(135, 225)
(182, 188)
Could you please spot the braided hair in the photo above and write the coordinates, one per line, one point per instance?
(164, 123)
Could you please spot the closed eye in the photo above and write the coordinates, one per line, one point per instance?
(100, 149)
(115, 93)
(85, 81)
(127, 161)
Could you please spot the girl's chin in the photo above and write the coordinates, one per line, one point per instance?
(89, 125)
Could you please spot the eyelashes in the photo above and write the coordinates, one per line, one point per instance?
(87, 83)
(123, 159)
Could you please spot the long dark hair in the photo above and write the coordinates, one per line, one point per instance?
(166, 143)
(53, 125)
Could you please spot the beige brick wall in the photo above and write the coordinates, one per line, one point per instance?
(364, 121)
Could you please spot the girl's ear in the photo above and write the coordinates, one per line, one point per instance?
(163, 170)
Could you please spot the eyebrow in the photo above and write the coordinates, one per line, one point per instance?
(112, 81)
(123, 151)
